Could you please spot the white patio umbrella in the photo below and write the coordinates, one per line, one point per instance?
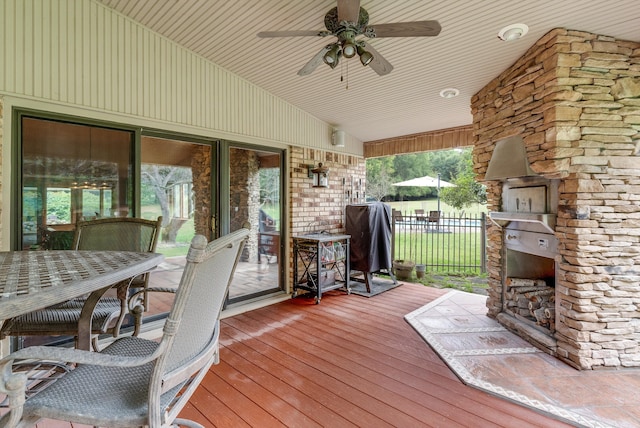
(426, 181)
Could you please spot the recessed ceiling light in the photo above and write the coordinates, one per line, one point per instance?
(513, 32)
(449, 93)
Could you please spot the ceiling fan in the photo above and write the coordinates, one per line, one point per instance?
(347, 22)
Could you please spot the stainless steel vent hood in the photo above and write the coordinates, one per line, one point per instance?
(509, 160)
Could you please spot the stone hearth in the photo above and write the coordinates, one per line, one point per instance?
(574, 98)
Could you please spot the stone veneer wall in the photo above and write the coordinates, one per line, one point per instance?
(244, 183)
(314, 209)
(201, 173)
(575, 99)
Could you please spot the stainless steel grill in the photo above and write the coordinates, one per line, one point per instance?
(528, 222)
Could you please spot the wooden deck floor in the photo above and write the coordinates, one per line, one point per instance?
(349, 361)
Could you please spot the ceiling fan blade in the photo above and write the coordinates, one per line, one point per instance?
(407, 29)
(314, 62)
(378, 64)
(292, 33)
(348, 10)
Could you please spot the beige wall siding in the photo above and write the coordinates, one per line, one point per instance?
(84, 54)
(3, 175)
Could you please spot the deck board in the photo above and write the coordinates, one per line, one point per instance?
(359, 359)
(349, 361)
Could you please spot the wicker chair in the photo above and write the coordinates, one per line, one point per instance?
(109, 234)
(135, 381)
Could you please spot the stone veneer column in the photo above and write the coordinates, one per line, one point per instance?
(575, 99)
(245, 197)
(201, 173)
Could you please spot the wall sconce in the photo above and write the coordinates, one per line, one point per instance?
(337, 138)
(310, 170)
(320, 176)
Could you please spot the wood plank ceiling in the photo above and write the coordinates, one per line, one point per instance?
(467, 54)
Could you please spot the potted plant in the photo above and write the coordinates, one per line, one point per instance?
(403, 269)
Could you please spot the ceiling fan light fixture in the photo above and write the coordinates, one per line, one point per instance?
(365, 56)
(348, 49)
(513, 32)
(346, 22)
(331, 57)
(449, 93)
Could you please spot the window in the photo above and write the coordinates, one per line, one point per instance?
(71, 172)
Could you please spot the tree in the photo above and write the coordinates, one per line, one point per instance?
(448, 163)
(379, 180)
(380, 186)
(160, 179)
(58, 206)
(467, 191)
(411, 166)
(455, 166)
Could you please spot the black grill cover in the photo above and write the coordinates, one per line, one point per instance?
(370, 228)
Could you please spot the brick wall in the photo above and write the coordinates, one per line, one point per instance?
(314, 209)
(574, 97)
(322, 208)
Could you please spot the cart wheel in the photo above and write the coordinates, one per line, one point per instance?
(317, 300)
(295, 294)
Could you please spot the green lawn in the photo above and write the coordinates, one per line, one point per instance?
(456, 247)
(458, 252)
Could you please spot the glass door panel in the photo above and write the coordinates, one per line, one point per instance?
(255, 183)
(70, 172)
(175, 183)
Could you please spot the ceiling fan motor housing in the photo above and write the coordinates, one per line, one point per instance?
(332, 24)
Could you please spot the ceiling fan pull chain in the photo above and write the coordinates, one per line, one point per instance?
(347, 87)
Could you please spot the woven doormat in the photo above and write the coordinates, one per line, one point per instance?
(378, 285)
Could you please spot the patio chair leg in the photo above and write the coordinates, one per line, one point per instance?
(186, 423)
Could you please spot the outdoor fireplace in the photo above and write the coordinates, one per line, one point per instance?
(570, 112)
(528, 291)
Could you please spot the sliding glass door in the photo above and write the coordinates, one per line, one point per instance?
(255, 199)
(177, 183)
(71, 169)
